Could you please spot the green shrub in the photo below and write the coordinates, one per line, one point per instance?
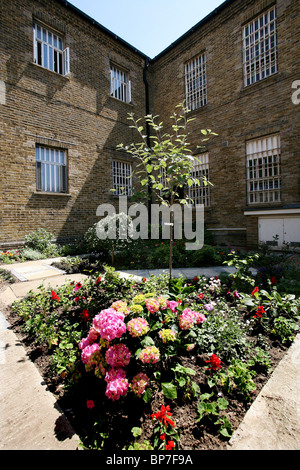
(41, 240)
(32, 254)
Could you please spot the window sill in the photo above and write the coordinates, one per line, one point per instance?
(267, 81)
(44, 193)
(121, 101)
(56, 74)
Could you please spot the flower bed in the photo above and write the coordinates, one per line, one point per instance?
(153, 364)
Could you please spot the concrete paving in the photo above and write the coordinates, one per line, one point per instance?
(31, 420)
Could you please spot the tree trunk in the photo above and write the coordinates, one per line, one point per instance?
(171, 246)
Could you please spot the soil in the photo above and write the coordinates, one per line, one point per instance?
(119, 416)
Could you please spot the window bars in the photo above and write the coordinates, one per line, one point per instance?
(195, 83)
(263, 170)
(200, 194)
(260, 47)
(120, 85)
(49, 50)
(51, 170)
(122, 178)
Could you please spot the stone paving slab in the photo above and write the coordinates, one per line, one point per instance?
(273, 420)
(29, 416)
(20, 289)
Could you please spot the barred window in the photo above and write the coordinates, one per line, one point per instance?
(200, 194)
(120, 85)
(263, 170)
(51, 170)
(260, 47)
(49, 50)
(122, 178)
(195, 83)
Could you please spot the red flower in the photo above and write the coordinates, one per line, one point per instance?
(200, 296)
(144, 279)
(163, 414)
(90, 404)
(170, 445)
(215, 363)
(85, 315)
(259, 312)
(98, 280)
(54, 296)
(195, 278)
(163, 436)
(76, 299)
(256, 289)
(273, 280)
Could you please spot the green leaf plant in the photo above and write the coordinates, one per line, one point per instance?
(164, 162)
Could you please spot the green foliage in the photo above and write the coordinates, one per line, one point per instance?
(239, 377)
(145, 445)
(285, 329)
(243, 277)
(32, 254)
(41, 240)
(229, 331)
(4, 274)
(260, 360)
(211, 409)
(223, 334)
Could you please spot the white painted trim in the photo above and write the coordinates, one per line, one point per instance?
(273, 212)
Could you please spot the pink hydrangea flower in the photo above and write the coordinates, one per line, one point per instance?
(109, 324)
(115, 373)
(121, 306)
(167, 335)
(118, 355)
(149, 355)
(139, 383)
(152, 305)
(88, 352)
(117, 384)
(84, 343)
(138, 327)
(163, 303)
(92, 335)
(186, 319)
(199, 317)
(172, 304)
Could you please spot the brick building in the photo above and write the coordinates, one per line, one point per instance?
(67, 85)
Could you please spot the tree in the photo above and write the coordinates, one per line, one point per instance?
(166, 165)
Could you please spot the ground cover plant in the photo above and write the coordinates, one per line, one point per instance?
(158, 364)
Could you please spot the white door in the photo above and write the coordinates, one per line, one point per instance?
(291, 231)
(279, 231)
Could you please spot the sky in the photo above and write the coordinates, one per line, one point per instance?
(149, 26)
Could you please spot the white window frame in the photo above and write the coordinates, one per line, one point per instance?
(51, 169)
(122, 178)
(49, 51)
(120, 85)
(260, 47)
(200, 194)
(263, 170)
(195, 82)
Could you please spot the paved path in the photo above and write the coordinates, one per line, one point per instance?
(31, 420)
